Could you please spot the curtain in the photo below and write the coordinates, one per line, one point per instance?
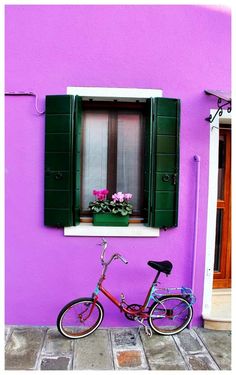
(94, 154)
(129, 155)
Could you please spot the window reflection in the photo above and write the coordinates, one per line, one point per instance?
(221, 167)
(219, 220)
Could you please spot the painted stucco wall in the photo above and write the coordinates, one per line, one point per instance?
(179, 49)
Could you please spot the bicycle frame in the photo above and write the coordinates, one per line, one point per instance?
(120, 304)
(154, 294)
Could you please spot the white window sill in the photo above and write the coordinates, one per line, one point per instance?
(133, 230)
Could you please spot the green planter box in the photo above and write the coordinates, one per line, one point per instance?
(110, 220)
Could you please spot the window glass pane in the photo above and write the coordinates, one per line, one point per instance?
(94, 154)
(129, 156)
(221, 167)
(219, 219)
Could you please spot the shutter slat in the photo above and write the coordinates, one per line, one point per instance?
(58, 198)
(57, 161)
(58, 123)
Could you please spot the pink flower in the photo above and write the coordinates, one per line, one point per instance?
(128, 196)
(118, 197)
(100, 194)
(104, 191)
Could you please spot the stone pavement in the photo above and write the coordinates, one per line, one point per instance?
(43, 348)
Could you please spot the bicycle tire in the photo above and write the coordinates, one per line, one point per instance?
(69, 320)
(167, 323)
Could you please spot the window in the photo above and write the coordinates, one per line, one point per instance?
(132, 147)
(112, 150)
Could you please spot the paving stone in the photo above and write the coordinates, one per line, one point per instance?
(93, 352)
(201, 362)
(218, 343)
(59, 363)
(129, 358)
(127, 349)
(55, 343)
(23, 347)
(162, 353)
(193, 351)
(189, 342)
(125, 337)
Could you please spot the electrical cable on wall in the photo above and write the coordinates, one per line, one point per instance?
(23, 93)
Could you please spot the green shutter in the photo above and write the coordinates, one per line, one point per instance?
(77, 158)
(59, 144)
(164, 163)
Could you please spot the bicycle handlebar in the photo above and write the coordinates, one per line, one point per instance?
(118, 256)
(113, 257)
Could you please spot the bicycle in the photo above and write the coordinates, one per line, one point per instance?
(167, 310)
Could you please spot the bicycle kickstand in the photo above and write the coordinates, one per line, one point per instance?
(147, 330)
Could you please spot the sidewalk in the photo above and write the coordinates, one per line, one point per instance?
(43, 348)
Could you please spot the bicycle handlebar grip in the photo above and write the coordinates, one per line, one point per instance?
(123, 259)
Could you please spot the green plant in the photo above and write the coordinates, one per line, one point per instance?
(119, 205)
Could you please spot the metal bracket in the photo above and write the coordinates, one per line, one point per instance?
(219, 111)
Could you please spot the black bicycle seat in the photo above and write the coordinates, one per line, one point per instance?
(164, 266)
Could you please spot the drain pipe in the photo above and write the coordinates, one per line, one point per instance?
(197, 160)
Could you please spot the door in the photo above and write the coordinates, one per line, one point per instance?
(222, 263)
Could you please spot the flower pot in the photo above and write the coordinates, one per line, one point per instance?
(110, 220)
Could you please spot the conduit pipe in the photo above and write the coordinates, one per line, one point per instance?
(197, 160)
(26, 93)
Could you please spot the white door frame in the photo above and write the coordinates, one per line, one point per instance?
(212, 206)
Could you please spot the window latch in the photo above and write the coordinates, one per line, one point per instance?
(174, 179)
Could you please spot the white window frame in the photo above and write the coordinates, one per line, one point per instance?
(109, 94)
(212, 207)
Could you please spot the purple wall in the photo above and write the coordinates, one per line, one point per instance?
(180, 49)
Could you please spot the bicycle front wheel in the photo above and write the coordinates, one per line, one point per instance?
(80, 318)
(170, 315)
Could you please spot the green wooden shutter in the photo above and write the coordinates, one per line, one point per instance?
(59, 144)
(164, 163)
(77, 158)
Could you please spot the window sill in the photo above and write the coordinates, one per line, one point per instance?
(133, 230)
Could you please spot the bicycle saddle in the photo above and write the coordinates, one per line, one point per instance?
(164, 266)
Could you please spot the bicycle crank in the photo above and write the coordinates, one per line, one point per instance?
(133, 308)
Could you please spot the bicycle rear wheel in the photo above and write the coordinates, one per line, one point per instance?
(170, 315)
(80, 318)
